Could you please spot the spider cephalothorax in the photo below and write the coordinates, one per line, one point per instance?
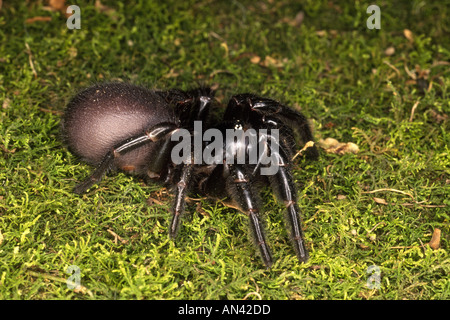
(118, 126)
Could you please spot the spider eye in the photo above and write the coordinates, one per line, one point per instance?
(238, 126)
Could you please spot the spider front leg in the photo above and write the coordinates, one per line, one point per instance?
(244, 195)
(154, 134)
(283, 186)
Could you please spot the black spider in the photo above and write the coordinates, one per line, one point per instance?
(118, 126)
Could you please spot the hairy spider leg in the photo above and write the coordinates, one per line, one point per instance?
(245, 197)
(283, 186)
(154, 134)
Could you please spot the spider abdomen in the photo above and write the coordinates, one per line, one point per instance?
(102, 116)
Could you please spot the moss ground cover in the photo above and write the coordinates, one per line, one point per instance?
(368, 216)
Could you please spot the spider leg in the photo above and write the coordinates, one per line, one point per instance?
(238, 193)
(282, 185)
(183, 187)
(245, 197)
(190, 105)
(154, 134)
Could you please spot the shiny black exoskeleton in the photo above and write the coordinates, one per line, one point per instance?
(119, 126)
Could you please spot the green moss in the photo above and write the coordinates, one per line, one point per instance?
(378, 207)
